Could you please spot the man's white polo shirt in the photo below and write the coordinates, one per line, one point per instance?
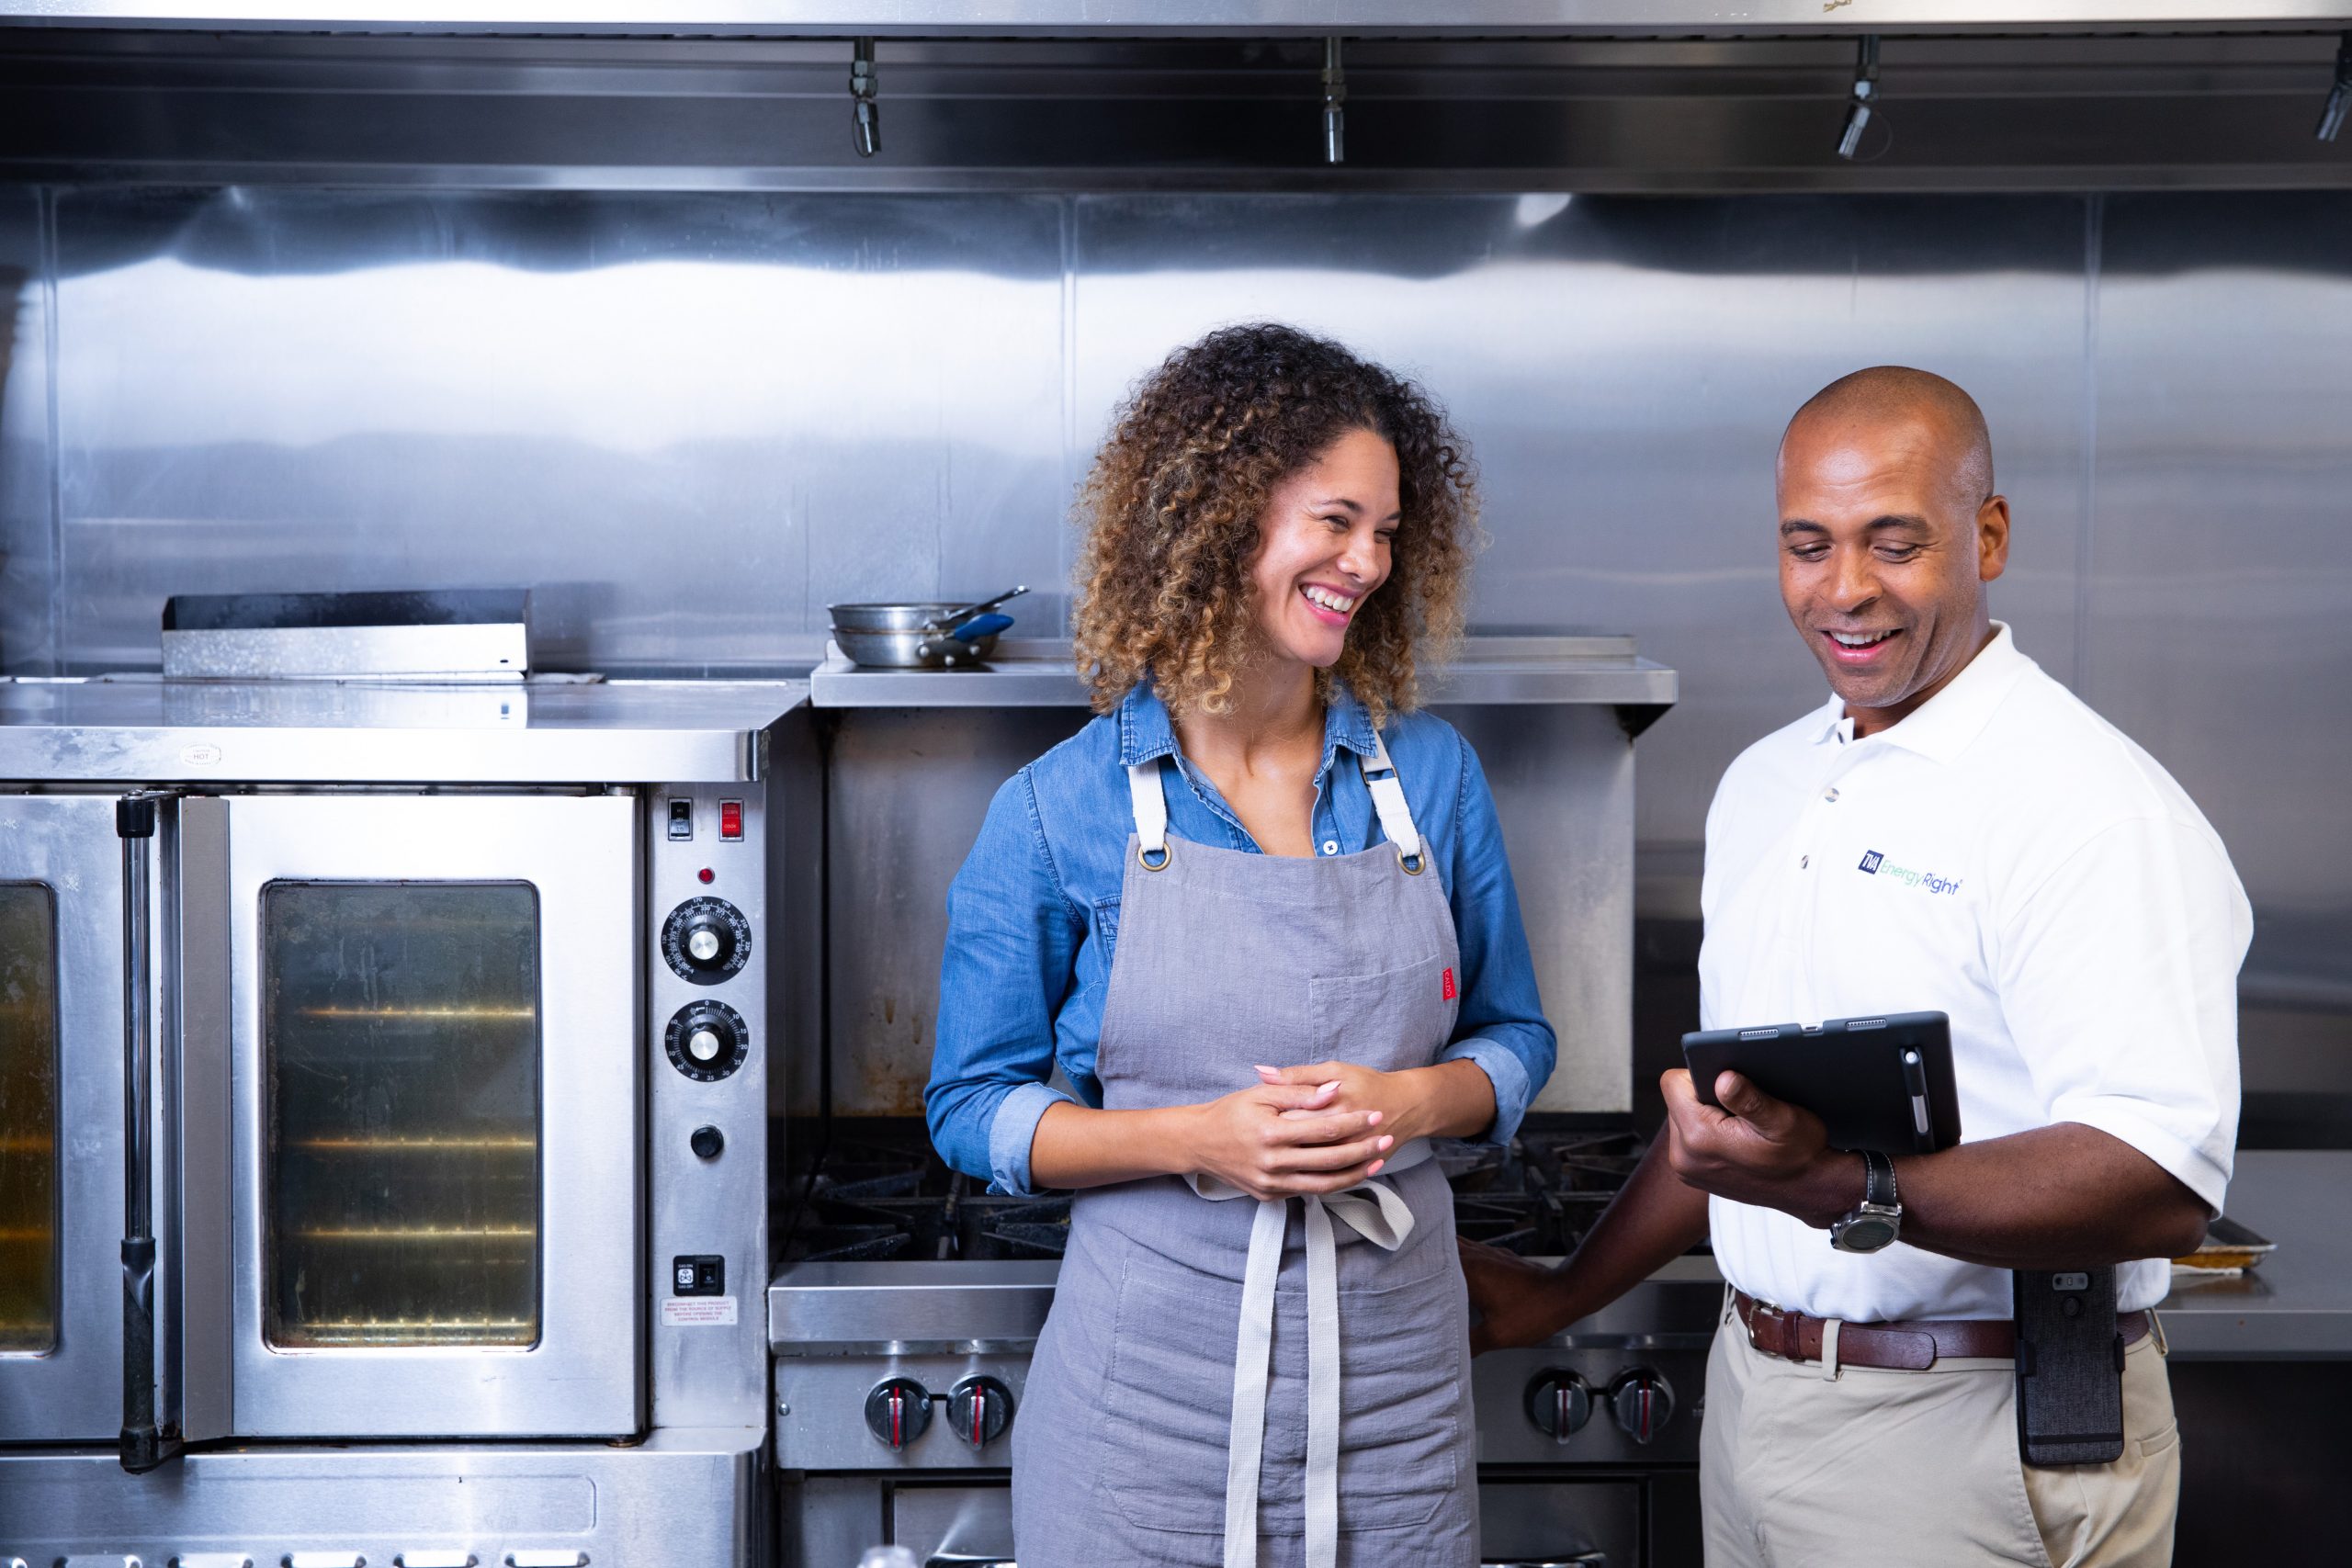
(2008, 857)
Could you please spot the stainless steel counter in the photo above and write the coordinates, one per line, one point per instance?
(149, 730)
(2298, 1305)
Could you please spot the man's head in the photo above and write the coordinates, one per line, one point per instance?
(1889, 532)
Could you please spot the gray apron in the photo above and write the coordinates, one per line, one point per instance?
(1217, 1385)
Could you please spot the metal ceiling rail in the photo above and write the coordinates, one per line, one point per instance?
(1180, 18)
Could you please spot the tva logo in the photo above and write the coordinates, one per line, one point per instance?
(1874, 862)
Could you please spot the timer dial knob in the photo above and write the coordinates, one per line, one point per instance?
(896, 1411)
(705, 940)
(979, 1409)
(1643, 1403)
(1559, 1403)
(707, 1041)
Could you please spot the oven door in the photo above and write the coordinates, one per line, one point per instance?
(61, 1120)
(431, 1006)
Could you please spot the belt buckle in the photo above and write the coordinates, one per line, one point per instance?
(1763, 1311)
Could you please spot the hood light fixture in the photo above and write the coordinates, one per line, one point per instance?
(2339, 98)
(1335, 98)
(865, 113)
(1859, 107)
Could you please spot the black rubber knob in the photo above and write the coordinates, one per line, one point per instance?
(896, 1411)
(979, 1409)
(1643, 1403)
(1559, 1403)
(706, 1142)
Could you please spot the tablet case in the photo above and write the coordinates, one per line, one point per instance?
(1882, 1083)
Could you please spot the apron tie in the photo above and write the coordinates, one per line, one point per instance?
(1378, 1212)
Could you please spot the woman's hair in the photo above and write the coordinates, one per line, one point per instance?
(1171, 510)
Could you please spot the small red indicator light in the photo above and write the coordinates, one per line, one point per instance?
(704, 874)
(731, 819)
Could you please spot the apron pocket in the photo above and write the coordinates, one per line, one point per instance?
(1404, 1414)
(1400, 1018)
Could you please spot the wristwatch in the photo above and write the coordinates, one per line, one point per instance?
(1877, 1220)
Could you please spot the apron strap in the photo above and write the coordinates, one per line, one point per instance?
(1389, 799)
(1147, 797)
(1373, 1210)
(1151, 810)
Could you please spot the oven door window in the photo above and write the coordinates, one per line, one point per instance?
(28, 1119)
(400, 1038)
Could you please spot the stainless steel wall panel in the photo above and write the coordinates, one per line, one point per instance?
(28, 569)
(908, 790)
(670, 417)
(1623, 369)
(2221, 570)
(687, 421)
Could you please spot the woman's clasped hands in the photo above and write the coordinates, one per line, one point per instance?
(1303, 1130)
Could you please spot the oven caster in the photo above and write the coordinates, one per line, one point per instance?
(897, 1410)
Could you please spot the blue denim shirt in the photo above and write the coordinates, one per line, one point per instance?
(1033, 916)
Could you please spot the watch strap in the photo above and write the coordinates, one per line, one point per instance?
(1878, 1182)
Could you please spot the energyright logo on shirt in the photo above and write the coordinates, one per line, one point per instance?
(1877, 864)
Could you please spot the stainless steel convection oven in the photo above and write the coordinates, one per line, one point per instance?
(384, 1066)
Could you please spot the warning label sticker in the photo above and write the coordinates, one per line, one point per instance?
(698, 1311)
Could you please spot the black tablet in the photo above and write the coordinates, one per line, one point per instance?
(1876, 1083)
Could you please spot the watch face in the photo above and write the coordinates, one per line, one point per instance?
(1865, 1233)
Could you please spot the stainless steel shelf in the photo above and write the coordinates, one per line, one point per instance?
(148, 731)
(1038, 672)
(1179, 18)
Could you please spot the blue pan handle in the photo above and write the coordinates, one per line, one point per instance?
(980, 626)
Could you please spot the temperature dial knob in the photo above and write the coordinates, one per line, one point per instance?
(1559, 1402)
(896, 1411)
(979, 1409)
(707, 941)
(1643, 1403)
(707, 1041)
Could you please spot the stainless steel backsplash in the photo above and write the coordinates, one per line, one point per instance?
(687, 422)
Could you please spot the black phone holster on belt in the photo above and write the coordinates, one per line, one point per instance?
(2070, 1368)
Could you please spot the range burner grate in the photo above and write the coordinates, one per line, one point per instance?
(882, 1193)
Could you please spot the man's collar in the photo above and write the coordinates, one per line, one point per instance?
(1941, 728)
(1145, 732)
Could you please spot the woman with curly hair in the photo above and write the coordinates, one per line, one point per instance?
(1259, 914)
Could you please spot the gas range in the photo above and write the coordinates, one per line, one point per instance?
(908, 1297)
(876, 1192)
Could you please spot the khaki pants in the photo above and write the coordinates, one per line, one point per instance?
(1873, 1468)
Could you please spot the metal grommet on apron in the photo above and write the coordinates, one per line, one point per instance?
(1225, 958)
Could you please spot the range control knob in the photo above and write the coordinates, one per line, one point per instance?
(707, 941)
(979, 1409)
(1643, 1403)
(896, 1411)
(1558, 1402)
(707, 1041)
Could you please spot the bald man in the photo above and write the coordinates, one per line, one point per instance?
(1951, 832)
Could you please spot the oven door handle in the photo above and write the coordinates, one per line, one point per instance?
(1581, 1560)
(146, 1441)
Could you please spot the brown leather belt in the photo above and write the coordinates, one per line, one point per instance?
(1909, 1346)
